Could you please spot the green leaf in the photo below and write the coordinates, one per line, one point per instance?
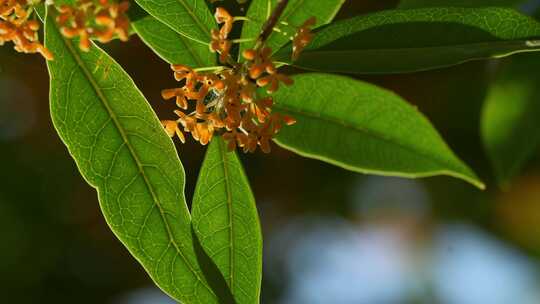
(226, 222)
(510, 124)
(121, 150)
(190, 18)
(296, 13)
(171, 46)
(363, 128)
(406, 4)
(398, 41)
(65, 2)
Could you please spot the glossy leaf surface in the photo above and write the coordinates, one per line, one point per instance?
(121, 149)
(398, 41)
(296, 13)
(170, 45)
(363, 128)
(190, 18)
(226, 222)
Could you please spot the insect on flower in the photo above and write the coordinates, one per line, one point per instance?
(225, 101)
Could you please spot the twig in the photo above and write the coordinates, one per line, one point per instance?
(269, 25)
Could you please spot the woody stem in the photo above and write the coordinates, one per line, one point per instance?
(212, 68)
(268, 27)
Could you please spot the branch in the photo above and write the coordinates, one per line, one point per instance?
(268, 27)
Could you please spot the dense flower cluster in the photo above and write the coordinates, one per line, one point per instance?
(94, 19)
(102, 20)
(17, 26)
(226, 101)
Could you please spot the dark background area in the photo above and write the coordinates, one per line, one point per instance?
(331, 236)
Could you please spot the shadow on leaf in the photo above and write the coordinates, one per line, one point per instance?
(211, 273)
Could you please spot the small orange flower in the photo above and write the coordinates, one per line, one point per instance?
(114, 20)
(16, 27)
(227, 102)
(231, 138)
(220, 42)
(204, 132)
(273, 80)
(73, 24)
(172, 129)
(249, 54)
(94, 19)
(179, 94)
(303, 37)
(221, 45)
(223, 17)
(260, 61)
(262, 108)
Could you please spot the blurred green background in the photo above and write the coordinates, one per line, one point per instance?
(331, 236)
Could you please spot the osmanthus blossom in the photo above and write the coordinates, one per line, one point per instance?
(102, 20)
(225, 101)
(19, 26)
(89, 19)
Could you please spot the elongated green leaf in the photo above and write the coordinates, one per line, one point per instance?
(296, 13)
(189, 18)
(510, 122)
(398, 41)
(458, 3)
(226, 221)
(363, 128)
(122, 151)
(171, 46)
(65, 2)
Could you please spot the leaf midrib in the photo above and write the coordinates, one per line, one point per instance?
(133, 154)
(374, 20)
(191, 13)
(190, 49)
(293, 10)
(184, 39)
(508, 43)
(369, 133)
(194, 16)
(228, 189)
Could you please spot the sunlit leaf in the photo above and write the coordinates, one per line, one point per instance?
(226, 221)
(510, 122)
(171, 46)
(363, 128)
(296, 13)
(397, 41)
(190, 18)
(122, 151)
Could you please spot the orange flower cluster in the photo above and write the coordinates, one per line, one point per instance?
(220, 42)
(262, 69)
(16, 27)
(94, 19)
(226, 102)
(303, 37)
